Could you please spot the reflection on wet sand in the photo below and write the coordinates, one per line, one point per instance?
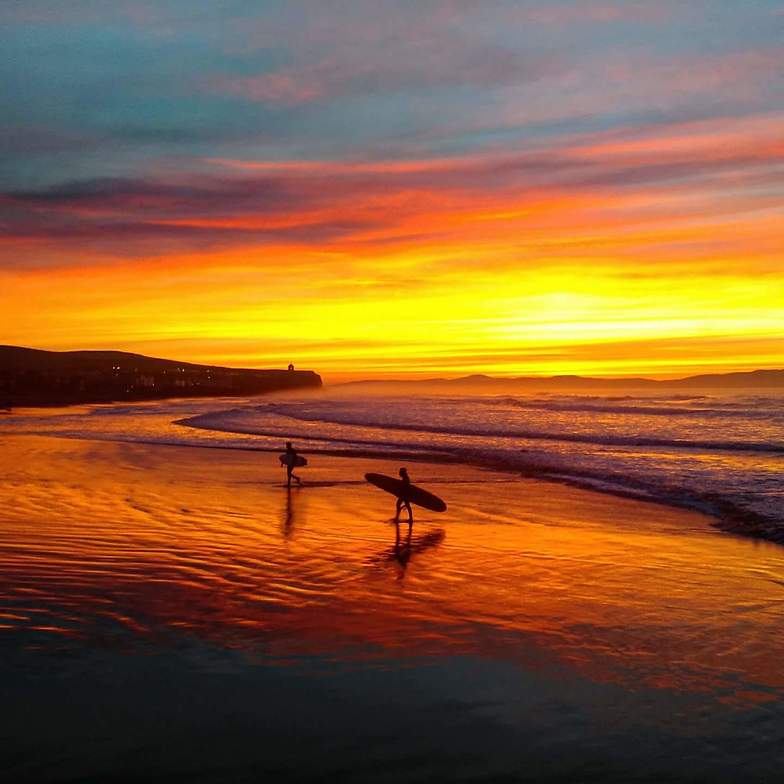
(550, 624)
(407, 546)
(133, 544)
(287, 517)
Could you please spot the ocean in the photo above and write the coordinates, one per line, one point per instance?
(721, 454)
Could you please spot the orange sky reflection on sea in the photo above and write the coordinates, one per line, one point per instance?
(142, 544)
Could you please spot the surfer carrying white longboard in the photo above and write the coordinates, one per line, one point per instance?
(291, 459)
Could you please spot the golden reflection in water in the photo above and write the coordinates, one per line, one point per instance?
(121, 544)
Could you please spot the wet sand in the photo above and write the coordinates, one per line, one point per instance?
(174, 613)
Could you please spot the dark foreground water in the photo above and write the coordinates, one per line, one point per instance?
(196, 713)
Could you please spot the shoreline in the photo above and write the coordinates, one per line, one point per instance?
(724, 516)
(731, 517)
(222, 422)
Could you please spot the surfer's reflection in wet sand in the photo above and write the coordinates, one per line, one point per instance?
(293, 513)
(406, 547)
(288, 515)
(403, 502)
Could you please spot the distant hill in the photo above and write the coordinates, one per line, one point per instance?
(31, 377)
(482, 384)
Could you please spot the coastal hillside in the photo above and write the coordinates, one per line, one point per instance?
(32, 377)
(481, 384)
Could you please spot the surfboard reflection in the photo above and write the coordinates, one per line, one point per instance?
(406, 547)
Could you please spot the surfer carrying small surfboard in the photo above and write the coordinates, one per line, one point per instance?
(290, 458)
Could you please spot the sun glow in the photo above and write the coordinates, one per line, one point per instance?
(385, 317)
(374, 214)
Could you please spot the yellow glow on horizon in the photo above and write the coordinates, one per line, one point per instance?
(651, 280)
(559, 319)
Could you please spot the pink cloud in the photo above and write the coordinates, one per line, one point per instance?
(566, 13)
(386, 58)
(589, 195)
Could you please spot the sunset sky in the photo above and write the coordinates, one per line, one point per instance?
(374, 188)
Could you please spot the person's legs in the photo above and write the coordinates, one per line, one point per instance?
(289, 474)
(398, 507)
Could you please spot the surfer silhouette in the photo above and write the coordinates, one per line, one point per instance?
(289, 459)
(402, 500)
(406, 494)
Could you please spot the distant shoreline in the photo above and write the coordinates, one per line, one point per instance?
(753, 379)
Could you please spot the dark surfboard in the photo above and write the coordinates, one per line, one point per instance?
(416, 495)
(299, 461)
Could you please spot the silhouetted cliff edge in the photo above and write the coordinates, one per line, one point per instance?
(31, 377)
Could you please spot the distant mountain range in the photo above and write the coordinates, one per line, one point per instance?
(755, 379)
(34, 377)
